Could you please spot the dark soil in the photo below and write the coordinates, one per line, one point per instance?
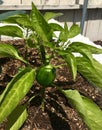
(58, 114)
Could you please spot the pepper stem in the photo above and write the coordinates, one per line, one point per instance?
(43, 97)
(42, 50)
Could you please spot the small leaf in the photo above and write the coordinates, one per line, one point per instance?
(55, 27)
(16, 118)
(50, 15)
(63, 37)
(74, 30)
(11, 30)
(7, 50)
(15, 91)
(87, 109)
(71, 61)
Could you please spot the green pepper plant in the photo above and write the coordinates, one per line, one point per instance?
(38, 33)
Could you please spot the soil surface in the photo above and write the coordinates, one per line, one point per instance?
(58, 114)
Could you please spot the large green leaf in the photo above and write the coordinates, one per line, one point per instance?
(40, 25)
(7, 14)
(81, 48)
(50, 15)
(7, 50)
(16, 118)
(87, 109)
(22, 20)
(75, 46)
(15, 91)
(97, 65)
(92, 71)
(11, 30)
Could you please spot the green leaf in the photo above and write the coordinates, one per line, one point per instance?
(80, 48)
(56, 27)
(97, 66)
(51, 45)
(7, 50)
(15, 91)
(16, 118)
(11, 19)
(94, 118)
(75, 99)
(40, 25)
(11, 30)
(87, 109)
(74, 30)
(79, 45)
(71, 61)
(63, 37)
(22, 20)
(10, 13)
(92, 71)
(50, 15)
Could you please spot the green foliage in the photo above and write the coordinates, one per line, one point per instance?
(40, 25)
(10, 30)
(91, 71)
(71, 62)
(8, 14)
(56, 27)
(22, 20)
(64, 34)
(80, 48)
(15, 91)
(17, 118)
(69, 33)
(88, 110)
(50, 15)
(7, 50)
(38, 33)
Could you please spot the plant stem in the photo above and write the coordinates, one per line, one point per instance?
(42, 51)
(59, 88)
(43, 97)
